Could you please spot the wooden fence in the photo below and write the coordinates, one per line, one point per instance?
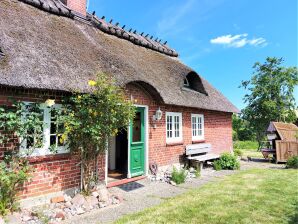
(285, 150)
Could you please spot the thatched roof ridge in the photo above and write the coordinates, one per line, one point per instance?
(133, 37)
(52, 6)
(58, 8)
(45, 51)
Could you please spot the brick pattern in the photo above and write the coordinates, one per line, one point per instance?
(218, 128)
(77, 5)
(58, 172)
(52, 173)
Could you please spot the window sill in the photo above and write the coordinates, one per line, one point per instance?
(174, 143)
(198, 141)
(47, 158)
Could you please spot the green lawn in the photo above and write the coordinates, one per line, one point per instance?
(254, 153)
(248, 148)
(253, 196)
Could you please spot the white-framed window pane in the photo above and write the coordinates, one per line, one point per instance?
(52, 134)
(194, 126)
(197, 126)
(56, 129)
(173, 125)
(34, 135)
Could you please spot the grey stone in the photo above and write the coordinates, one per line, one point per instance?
(68, 204)
(14, 219)
(67, 198)
(102, 205)
(95, 194)
(103, 194)
(52, 205)
(173, 183)
(73, 211)
(66, 210)
(92, 201)
(118, 197)
(80, 211)
(26, 218)
(78, 200)
(69, 215)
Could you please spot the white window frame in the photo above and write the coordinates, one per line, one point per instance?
(45, 150)
(195, 129)
(174, 139)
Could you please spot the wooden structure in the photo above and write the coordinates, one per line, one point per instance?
(199, 153)
(283, 140)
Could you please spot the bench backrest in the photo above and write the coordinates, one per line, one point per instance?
(197, 149)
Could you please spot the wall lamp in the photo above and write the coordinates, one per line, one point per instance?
(157, 116)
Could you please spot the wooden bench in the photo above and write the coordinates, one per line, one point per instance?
(199, 153)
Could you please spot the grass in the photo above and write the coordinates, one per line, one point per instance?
(253, 196)
(245, 145)
(251, 153)
(248, 148)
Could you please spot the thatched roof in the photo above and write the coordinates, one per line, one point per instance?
(286, 131)
(58, 52)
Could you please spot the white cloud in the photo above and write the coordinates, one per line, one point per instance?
(227, 39)
(239, 40)
(258, 41)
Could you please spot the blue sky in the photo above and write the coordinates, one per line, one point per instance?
(220, 39)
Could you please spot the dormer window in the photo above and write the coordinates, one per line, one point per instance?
(186, 83)
(192, 81)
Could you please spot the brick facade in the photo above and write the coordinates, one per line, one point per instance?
(218, 128)
(52, 173)
(59, 172)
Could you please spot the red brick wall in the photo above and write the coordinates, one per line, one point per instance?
(59, 172)
(77, 5)
(218, 128)
(51, 173)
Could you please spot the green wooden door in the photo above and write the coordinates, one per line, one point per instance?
(137, 143)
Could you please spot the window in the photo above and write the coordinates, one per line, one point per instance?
(174, 127)
(193, 82)
(186, 83)
(197, 126)
(51, 141)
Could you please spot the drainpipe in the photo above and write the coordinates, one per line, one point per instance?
(82, 172)
(106, 162)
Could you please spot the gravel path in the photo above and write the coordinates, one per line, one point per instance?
(153, 193)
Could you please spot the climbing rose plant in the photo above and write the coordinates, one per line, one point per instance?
(91, 119)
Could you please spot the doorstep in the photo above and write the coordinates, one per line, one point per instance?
(124, 181)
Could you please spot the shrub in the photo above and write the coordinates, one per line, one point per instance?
(292, 162)
(245, 145)
(227, 161)
(238, 152)
(13, 173)
(197, 173)
(217, 165)
(179, 176)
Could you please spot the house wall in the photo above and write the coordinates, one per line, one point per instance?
(60, 172)
(52, 173)
(218, 128)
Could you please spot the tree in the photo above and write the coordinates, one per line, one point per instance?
(91, 119)
(241, 129)
(271, 95)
